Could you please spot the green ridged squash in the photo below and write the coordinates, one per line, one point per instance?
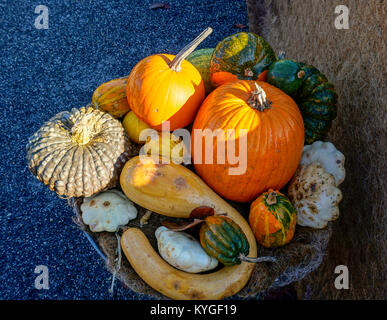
(243, 55)
(224, 240)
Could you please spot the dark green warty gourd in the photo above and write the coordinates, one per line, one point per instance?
(314, 95)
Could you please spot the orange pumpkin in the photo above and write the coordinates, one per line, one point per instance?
(273, 219)
(273, 137)
(164, 87)
(111, 97)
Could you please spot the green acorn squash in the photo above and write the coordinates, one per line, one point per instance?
(201, 61)
(223, 239)
(314, 95)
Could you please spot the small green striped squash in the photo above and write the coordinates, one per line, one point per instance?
(223, 239)
(111, 98)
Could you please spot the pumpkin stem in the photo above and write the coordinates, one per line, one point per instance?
(258, 99)
(301, 74)
(249, 72)
(271, 198)
(83, 130)
(175, 64)
(242, 257)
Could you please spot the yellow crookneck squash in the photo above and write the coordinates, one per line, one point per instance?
(175, 191)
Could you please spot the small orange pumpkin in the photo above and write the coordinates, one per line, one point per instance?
(274, 135)
(273, 219)
(111, 97)
(164, 87)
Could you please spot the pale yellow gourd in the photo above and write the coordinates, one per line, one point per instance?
(134, 126)
(167, 145)
(171, 190)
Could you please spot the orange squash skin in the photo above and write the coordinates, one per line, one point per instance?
(156, 93)
(111, 97)
(273, 224)
(275, 138)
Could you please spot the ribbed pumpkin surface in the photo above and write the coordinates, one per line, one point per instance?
(223, 239)
(78, 153)
(274, 139)
(272, 219)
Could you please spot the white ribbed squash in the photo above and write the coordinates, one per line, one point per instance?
(314, 195)
(326, 154)
(107, 211)
(78, 153)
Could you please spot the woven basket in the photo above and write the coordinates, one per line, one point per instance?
(293, 261)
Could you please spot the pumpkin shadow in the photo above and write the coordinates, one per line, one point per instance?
(187, 111)
(186, 114)
(238, 162)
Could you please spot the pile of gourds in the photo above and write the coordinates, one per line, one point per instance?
(291, 178)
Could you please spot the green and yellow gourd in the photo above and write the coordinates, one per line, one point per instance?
(272, 219)
(314, 95)
(244, 56)
(201, 61)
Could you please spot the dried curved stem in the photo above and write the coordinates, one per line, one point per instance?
(175, 64)
(180, 227)
(258, 99)
(117, 264)
(301, 74)
(242, 257)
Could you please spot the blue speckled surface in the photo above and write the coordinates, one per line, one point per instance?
(47, 71)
